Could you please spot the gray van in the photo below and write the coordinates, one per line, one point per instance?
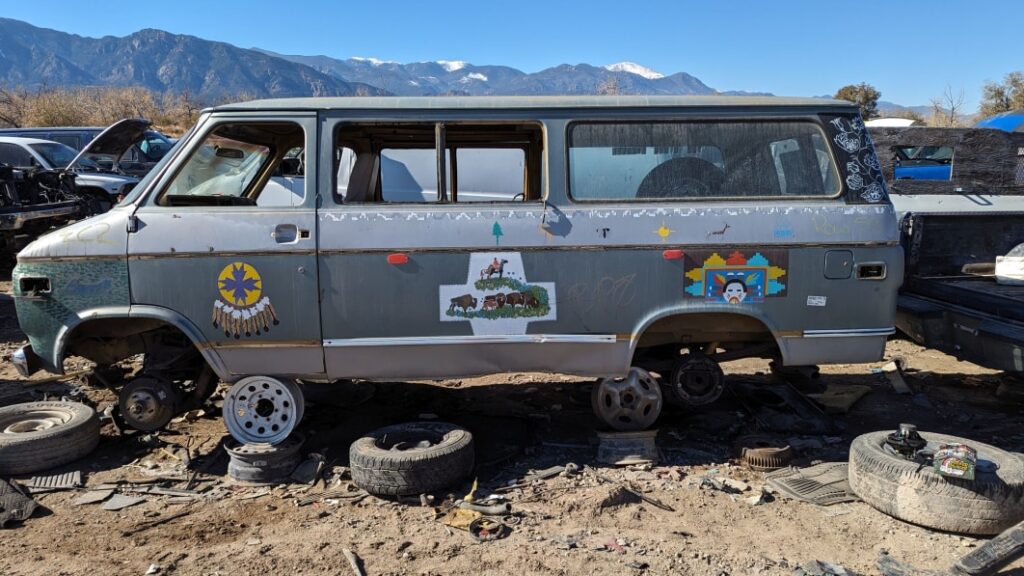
(640, 240)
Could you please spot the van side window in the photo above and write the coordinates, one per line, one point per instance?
(398, 162)
(242, 164)
(67, 140)
(698, 160)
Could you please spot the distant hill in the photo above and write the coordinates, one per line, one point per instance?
(158, 60)
(891, 109)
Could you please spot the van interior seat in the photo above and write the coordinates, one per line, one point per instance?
(684, 177)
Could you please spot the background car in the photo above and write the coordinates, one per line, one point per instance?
(135, 161)
(91, 179)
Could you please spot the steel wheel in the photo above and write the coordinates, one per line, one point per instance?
(34, 421)
(263, 410)
(630, 403)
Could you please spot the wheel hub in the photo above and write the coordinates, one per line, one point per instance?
(262, 410)
(696, 380)
(630, 403)
(148, 403)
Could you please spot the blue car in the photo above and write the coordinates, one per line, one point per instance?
(1012, 121)
(923, 162)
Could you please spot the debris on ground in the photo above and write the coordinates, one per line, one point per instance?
(54, 482)
(764, 453)
(15, 503)
(819, 568)
(309, 470)
(650, 500)
(823, 484)
(840, 398)
(987, 559)
(627, 448)
(93, 497)
(121, 501)
(894, 373)
(779, 407)
(354, 562)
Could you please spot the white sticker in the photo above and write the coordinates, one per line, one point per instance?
(817, 300)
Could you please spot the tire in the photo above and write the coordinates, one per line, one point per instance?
(989, 504)
(414, 469)
(263, 463)
(41, 435)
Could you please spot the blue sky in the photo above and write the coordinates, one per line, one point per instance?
(910, 50)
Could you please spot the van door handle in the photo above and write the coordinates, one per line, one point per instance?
(286, 233)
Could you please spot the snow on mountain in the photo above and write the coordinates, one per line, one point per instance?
(476, 76)
(373, 61)
(452, 65)
(634, 68)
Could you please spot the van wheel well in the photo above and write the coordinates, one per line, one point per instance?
(719, 335)
(167, 352)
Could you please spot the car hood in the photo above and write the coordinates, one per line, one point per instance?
(115, 140)
(103, 177)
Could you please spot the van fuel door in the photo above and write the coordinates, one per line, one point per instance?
(838, 264)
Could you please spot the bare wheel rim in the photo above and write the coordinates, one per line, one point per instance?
(34, 421)
(629, 403)
(261, 409)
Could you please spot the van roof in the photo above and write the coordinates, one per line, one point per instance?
(534, 102)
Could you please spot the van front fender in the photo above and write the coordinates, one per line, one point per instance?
(139, 312)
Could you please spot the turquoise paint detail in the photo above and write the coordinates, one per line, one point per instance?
(75, 286)
(758, 260)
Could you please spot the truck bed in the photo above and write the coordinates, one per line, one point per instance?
(979, 293)
(969, 316)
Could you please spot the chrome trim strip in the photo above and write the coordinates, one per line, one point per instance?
(856, 332)
(481, 339)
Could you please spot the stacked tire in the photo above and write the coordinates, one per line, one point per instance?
(987, 505)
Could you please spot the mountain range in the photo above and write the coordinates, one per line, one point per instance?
(33, 57)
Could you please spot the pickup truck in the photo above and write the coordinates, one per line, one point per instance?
(952, 231)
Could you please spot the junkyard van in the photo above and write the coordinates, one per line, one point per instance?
(310, 240)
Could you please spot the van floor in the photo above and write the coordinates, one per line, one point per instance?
(521, 422)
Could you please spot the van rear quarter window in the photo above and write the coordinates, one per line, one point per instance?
(698, 160)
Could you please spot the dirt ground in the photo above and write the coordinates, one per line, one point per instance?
(520, 422)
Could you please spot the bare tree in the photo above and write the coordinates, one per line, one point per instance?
(946, 108)
(12, 107)
(609, 86)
